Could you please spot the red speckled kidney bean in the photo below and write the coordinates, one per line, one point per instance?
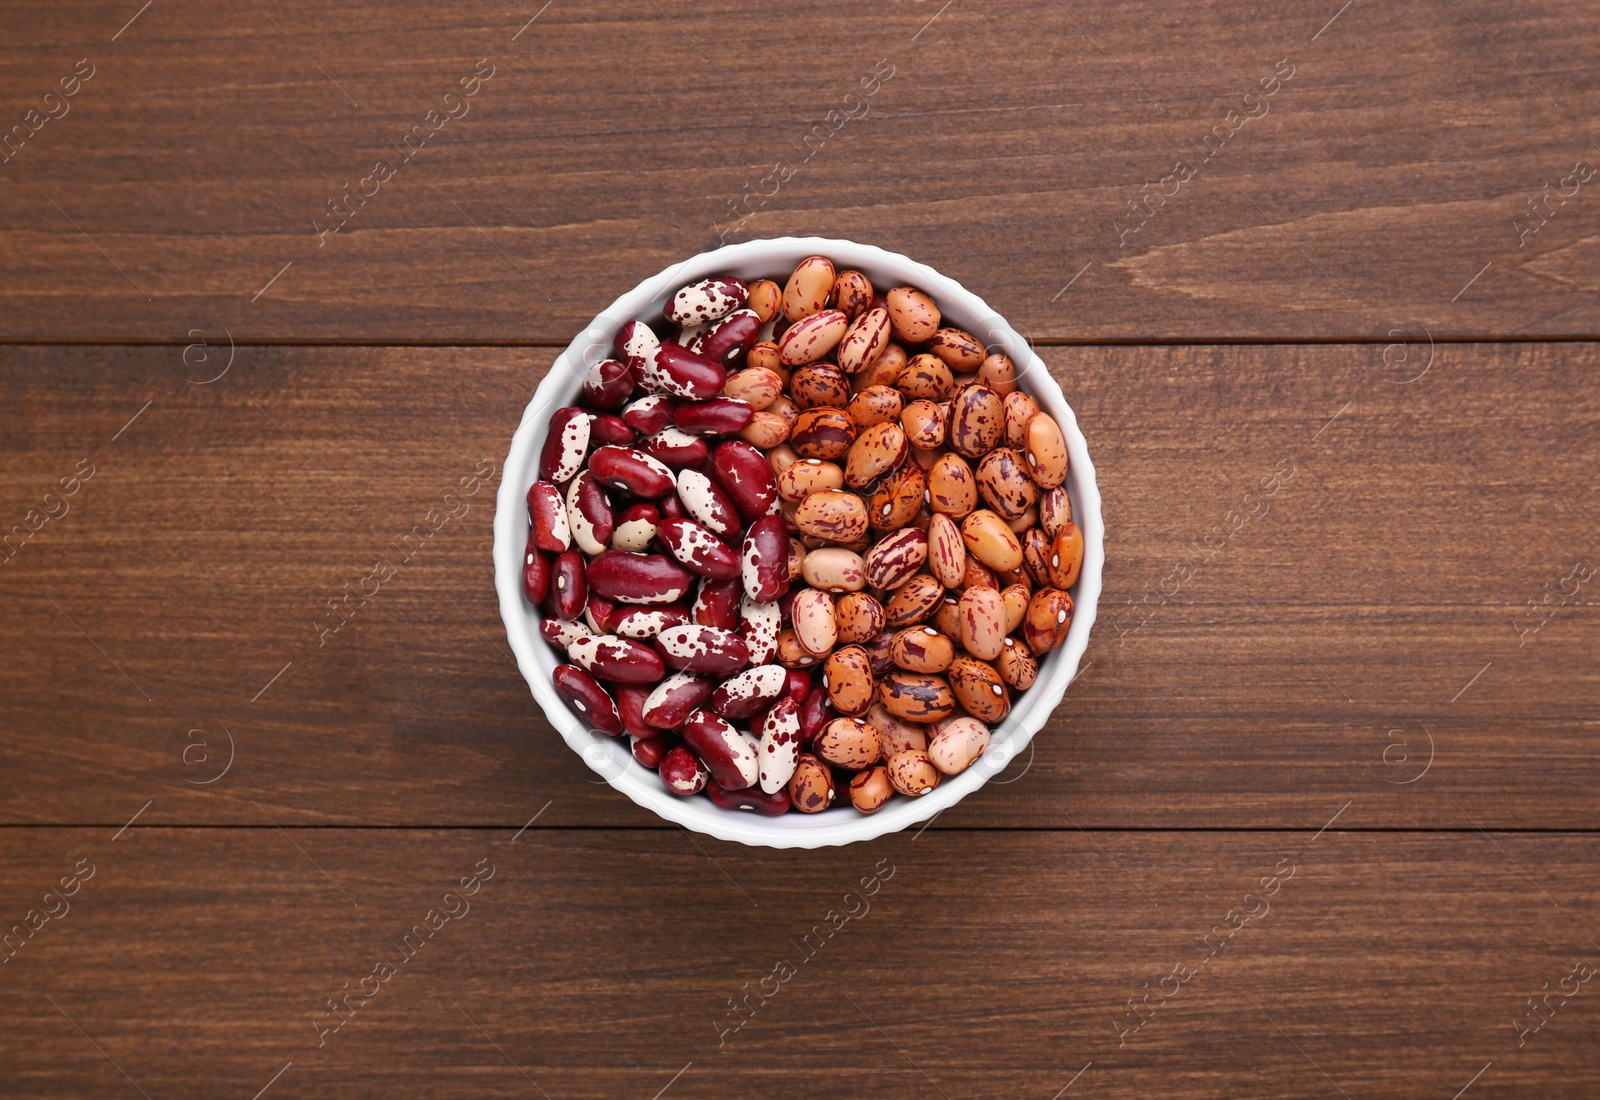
(548, 514)
(698, 548)
(630, 470)
(749, 692)
(682, 774)
(746, 475)
(675, 448)
(535, 571)
(751, 799)
(764, 560)
(569, 588)
(589, 513)
(586, 698)
(761, 624)
(600, 613)
(815, 710)
(620, 659)
(563, 632)
(647, 622)
(675, 698)
(707, 300)
(674, 369)
(630, 709)
(705, 501)
(718, 416)
(780, 744)
(797, 684)
(636, 527)
(728, 340)
(697, 648)
(638, 578)
(729, 753)
(611, 430)
(608, 384)
(649, 415)
(716, 603)
(565, 446)
(636, 340)
(650, 751)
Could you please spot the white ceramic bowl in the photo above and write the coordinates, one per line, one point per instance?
(610, 757)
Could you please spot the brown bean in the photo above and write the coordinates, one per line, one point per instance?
(835, 570)
(849, 743)
(946, 617)
(832, 515)
(1018, 408)
(809, 288)
(1022, 523)
(765, 299)
(947, 551)
(1055, 509)
(756, 386)
(807, 476)
(898, 498)
(977, 421)
(1004, 485)
(822, 433)
(896, 557)
(982, 614)
(1016, 598)
(1047, 451)
(978, 575)
(870, 789)
(958, 348)
(811, 785)
(852, 292)
(912, 773)
(999, 373)
(914, 601)
(913, 314)
(923, 422)
(765, 430)
(1066, 556)
(765, 356)
(874, 405)
(978, 688)
(897, 734)
(1036, 555)
(864, 342)
(1048, 621)
(847, 677)
(791, 654)
(916, 696)
(876, 451)
(1016, 666)
(957, 743)
(820, 385)
(925, 376)
(990, 541)
(813, 616)
(952, 487)
(859, 617)
(885, 369)
(922, 649)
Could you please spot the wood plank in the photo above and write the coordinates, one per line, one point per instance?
(602, 963)
(1304, 658)
(1013, 148)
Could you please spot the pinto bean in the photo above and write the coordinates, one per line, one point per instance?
(1016, 666)
(765, 298)
(990, 541)
(916, 696)
(819, 386)
(958, 348)
(923, 422)
(913, 601)
(811, 785)
(835, 570)
(979, 689)
(895, 558)
(982, 614)
(825, 433)
(833, 515)
(809, 288)
(870, 789)
(814, 625)
(1046, 451)
(977, 421)
(898, 498)
(912, 773)
(852, 292)
(952, 486)
(859, 617)
(999, 373)
(876, 451)
(957, 743)
(849, 743)
(1004, 484)
(922, 649)
(925, 377)
(1048, 620)
(1066, 556)
(848, 679)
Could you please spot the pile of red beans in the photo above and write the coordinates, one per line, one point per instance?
(801, 540)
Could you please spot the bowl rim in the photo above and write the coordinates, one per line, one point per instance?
(611, 757)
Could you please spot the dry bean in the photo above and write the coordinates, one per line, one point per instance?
(912, 773)
(913, 314)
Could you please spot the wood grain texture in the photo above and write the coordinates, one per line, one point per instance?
(1360, 633)
(601, 964)
(1016, 147)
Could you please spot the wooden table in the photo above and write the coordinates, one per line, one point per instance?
(1319, 819)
